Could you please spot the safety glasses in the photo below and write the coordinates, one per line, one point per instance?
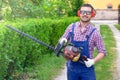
(85, 12)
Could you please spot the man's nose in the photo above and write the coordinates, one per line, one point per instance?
(84, 13)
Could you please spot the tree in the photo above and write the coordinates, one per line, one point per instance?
(75, 5)
(39, 8)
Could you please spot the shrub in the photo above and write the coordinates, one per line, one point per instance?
(18, 52)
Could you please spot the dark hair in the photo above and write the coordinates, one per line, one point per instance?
(87, 5)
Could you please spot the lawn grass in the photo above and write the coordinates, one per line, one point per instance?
(117, 26)
(104, 68)
(47, 68)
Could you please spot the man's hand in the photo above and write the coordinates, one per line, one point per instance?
(89, 62)
(62, 40)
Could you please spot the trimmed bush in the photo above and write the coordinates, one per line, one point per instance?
(18, 52)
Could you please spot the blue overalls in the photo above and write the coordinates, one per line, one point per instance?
(76, 70)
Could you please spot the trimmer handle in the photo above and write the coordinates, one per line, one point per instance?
(84, 58)
(58, 48)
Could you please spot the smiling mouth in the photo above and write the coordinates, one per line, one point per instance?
(84, 16)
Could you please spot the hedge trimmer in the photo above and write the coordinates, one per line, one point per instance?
(58, 49)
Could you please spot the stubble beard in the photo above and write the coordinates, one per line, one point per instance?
(85, 21)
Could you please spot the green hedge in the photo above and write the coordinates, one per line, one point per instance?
(18, 52)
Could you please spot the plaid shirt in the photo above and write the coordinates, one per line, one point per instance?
(94, 41)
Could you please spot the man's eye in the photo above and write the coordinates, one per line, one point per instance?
(85, 12)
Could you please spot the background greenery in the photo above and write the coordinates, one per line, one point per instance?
(12, 9)
(43, 19)
(117, 26)
(18, 52)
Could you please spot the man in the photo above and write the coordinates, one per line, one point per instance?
(83, 34)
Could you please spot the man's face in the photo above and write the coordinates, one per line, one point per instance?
(85, 14)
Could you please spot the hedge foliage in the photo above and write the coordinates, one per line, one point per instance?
(18, 52)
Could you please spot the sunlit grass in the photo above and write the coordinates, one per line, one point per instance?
(117, 26)
(47, 68)
(104, 68)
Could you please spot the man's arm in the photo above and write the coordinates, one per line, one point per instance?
(101, 50)
(99, 57)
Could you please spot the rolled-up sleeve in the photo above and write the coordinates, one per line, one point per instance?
(99, 43)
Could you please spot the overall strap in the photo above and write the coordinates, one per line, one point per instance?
(88, 36)
(71, 34)
(73, 28)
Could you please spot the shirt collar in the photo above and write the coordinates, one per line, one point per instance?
(86, 28)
